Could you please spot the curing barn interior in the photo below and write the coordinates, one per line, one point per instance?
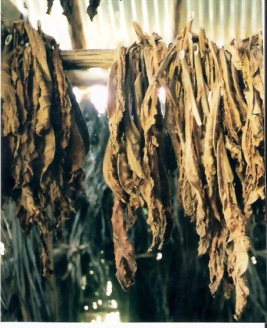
(132, 161)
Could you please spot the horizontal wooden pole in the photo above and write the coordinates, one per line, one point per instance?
(84, 59)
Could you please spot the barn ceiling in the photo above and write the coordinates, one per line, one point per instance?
(223, 20)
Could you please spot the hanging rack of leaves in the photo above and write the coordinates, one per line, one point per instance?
(67, 7)
(44, 136)
(213, 115)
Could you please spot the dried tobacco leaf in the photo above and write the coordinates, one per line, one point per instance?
(49, 6)
(116, 106)
(10, 122)
(217, 254)
(67, 6)
(238, 243)
(213, 115)
(156, 214)
(92, 8)
(187, 84)
(209, 156)
(230, 105)
(124, 253)
(251, 142)
(43, 78)
(46, 169)
(202, 88)
(64, 101)
(49, 151)
(193, 176)
(110, 174)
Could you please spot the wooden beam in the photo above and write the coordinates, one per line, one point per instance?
(9, 13)
(84, 59)
(87, 78)
(76, 26)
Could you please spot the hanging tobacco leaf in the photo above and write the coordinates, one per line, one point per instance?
(44, 134)
(92, 8)
(213, 115)
(49, 6)
(124, 253)
(67, 6)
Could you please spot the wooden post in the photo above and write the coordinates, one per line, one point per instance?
(84, 59)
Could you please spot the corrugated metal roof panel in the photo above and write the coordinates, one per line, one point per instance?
(223, 20)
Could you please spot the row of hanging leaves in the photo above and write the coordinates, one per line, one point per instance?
(44, 136)
(213, 115)
(67, 7)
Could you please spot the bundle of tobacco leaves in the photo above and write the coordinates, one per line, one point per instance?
(214, 118)
(44, 136)
(134, 162)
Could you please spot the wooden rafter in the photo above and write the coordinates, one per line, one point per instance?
(84, 59)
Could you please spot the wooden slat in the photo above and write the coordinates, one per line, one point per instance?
(84, 59)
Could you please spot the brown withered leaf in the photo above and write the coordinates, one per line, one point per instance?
(24, 154)
(235, 52)
(193, 176)
(217, 254)
(116, 101)
(49, 151)
(201, 85)
(92, 8)
(173, 127)
(126, 179)
(240, 97)
(124, 173)
(17, 81)
(27, 79)
(61, 205)
(187, 84)
(29, 213)
(247, 79)
(134, 153)
(209, 156)
(133, 142)
(43, 79)
(9, 113)
(202, 42)
(29, 121)
(156, 215)
(75, 157)
(138, 97)
(251, 142)
(64, 101)
(142, 37)
(238, 243)
(214, 118)
(256, 66)
(214, 74)
(232, 114)
(110, 173)
(236, 154)
(49, 6)
(124, 253)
